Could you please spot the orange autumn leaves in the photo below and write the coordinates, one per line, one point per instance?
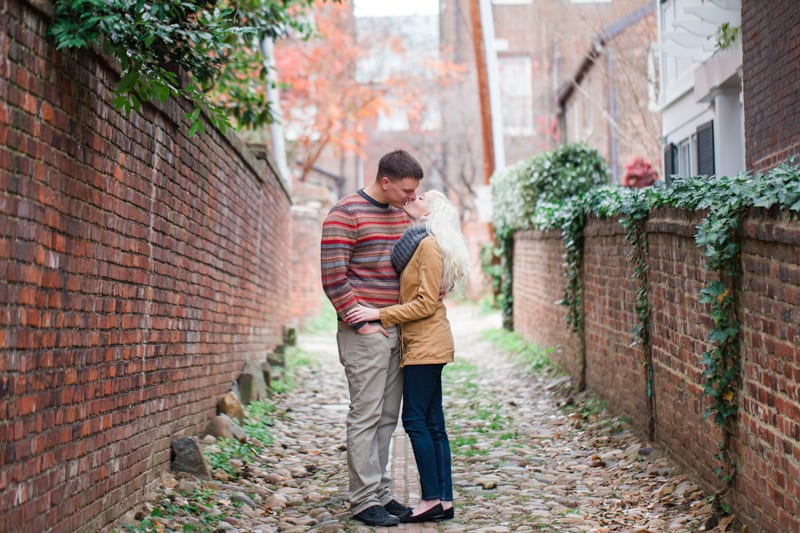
(325, 106)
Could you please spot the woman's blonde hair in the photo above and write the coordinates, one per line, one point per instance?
(444, 224)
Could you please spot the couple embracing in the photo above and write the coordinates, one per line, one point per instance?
(389, 254)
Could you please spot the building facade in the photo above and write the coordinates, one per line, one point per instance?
(700, 90)
(609, 104)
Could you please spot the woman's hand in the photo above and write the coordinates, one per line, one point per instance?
(362, 314)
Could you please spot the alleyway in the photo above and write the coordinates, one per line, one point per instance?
(523, 461)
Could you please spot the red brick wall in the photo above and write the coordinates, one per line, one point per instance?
(141, 269)
(768, 483)
(311, 204)
(766, 494)
(770, 59)
(680, 328)
(612, 364)
(477, 234)
(538, 287)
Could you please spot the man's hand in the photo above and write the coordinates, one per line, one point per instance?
(368, 328)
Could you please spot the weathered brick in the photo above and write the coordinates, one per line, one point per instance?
(770, 80)
(765, 493)
(118, 231)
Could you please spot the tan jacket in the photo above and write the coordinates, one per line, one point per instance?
(424, 328)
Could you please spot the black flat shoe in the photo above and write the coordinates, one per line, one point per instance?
(448, 514)
(434, 513)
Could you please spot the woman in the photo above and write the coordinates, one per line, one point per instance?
(432, 259)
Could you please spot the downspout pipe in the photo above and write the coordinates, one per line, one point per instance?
(612, 113)
(274, 98)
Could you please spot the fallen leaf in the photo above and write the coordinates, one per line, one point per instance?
(723, 524)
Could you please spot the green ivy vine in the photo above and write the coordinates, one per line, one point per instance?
(634, 212)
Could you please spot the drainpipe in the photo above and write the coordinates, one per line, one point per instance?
(612, 114)
(498, 140)
(276, 128)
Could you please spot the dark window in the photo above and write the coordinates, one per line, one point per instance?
(670, 162)
(705, 149)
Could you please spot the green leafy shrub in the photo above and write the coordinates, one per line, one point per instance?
(215, 42)
(547, 178)
(508, 207)
(569, 170)
(523, 191)
(508, 216)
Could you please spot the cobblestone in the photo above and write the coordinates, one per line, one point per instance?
(527, 456)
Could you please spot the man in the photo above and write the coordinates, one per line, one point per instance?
(357, 237)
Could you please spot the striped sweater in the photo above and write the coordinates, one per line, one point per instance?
(357, 238)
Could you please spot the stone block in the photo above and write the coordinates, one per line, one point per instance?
(185, 456)
(251, 382)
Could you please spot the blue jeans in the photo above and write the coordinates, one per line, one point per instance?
(423, 420)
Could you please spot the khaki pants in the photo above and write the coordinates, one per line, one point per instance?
(372, 366)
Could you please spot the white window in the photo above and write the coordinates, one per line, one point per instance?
(516, 95)
(687, 163)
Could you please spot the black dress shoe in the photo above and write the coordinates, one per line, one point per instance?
(396, 508)
(434, 513)
(376, 516)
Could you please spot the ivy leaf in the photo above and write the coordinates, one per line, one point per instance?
(718, 336)
(709, 294)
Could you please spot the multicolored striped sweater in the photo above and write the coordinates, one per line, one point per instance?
(357, 238)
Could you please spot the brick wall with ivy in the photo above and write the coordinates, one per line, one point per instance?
(679, 334)
(538, 287)
(766, 447)
(140, 269)
(613, 364)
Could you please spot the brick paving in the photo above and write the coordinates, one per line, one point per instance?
(406, 481)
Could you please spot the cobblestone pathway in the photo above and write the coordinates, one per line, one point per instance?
(524, 459)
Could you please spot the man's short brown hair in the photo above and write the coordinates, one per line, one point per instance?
(399, 164)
